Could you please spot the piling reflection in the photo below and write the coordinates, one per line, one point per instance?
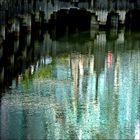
(81, 86)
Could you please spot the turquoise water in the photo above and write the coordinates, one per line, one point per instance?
(84, 86)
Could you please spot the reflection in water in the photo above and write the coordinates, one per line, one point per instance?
(77, 87)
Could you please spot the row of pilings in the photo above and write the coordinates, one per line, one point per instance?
(20, 46)
(11, 10)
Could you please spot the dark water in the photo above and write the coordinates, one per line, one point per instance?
(83, 86)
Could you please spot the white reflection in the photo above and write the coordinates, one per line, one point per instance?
(80, 134)
(116, 76)
(120, 39)
(101, 39)
(91, 69)
(122, 14)
(32, 69)
(137, 132)
(81, 67)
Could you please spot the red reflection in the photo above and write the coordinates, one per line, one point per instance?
(109, 58)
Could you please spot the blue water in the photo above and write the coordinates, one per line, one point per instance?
(80, 88)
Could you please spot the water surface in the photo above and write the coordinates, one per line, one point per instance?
(82, 86)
